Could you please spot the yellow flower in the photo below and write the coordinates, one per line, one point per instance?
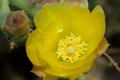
(67, 39)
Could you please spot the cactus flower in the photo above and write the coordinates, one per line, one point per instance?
(67, 39)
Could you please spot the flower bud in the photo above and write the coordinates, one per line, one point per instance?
(17, 23)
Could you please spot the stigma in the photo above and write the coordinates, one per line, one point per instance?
(71, 48)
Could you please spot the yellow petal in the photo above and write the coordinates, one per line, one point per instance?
(50, 38)
(51, 77)
(98, 10)
(67, 70)
(52, 13)
(31, 48)
(63, 72)
(59, 68)
(90, 26)
(44, 17)
(53, 21)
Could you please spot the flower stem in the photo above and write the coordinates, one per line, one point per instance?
(115, 64)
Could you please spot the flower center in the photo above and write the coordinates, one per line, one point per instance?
(71, 48)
